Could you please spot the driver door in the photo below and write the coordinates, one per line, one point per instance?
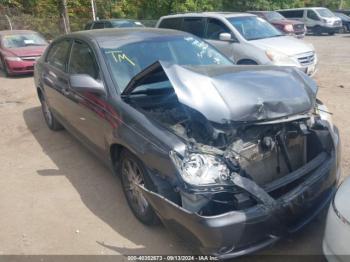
(312, 18)
(88, 109)
(212, 35)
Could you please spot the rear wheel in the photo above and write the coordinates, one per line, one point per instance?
(343, 30)
(50, 119)
(133, 175)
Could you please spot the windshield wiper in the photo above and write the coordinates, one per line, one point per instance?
(257, 38)
(34, 44)
(158, 91)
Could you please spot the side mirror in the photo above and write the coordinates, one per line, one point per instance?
(85, 83)
(227, 37)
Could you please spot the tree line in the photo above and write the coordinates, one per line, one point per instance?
(153, 9)
(51, 17)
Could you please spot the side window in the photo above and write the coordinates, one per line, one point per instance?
(293, 13)
(58, 55)
(215, 28)
(194, 25)
(82, 60)
(312, 15)
(98, 25)
(171, 23)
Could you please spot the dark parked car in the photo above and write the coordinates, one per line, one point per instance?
(345, 21)
(231, 158)
(19, 50)
(344, 11)
(290, 27)
(113, 23)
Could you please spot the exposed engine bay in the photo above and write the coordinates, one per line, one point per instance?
(263, 152)
(268, 134)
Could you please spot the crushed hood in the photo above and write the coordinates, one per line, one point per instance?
(234, 93)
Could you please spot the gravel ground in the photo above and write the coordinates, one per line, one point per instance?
(56, 198)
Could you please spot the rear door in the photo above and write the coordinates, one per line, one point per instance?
(194, 25)
(55, 78)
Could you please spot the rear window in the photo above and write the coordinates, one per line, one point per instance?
(98, 25)
(58, 54)
(292, 13)
(171, 23)
(194, 25)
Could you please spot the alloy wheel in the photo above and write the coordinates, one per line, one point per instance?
(134, 178)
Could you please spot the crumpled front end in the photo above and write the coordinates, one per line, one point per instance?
(243, 180)
(259, 215)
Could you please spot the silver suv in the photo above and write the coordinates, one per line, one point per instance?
(245, 39)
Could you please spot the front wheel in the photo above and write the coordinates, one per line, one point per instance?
(133, 175)
(4, 67)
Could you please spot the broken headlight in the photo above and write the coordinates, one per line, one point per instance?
(324, 113)
(201, 169)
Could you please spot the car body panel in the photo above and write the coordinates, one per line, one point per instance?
(337, 230)
(221, 84)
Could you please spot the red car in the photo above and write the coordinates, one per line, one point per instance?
(19, 50)
(290, 27)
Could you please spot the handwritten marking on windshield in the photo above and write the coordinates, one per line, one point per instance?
(120, 57)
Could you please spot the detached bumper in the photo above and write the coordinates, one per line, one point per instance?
(20, 67)
(241, 232)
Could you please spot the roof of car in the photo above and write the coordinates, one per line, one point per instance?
(210, 14)
(260, 12)
(301, 8)
(129, 33)
(16, 32)
(112, 19)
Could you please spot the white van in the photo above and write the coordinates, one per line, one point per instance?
(317, 19)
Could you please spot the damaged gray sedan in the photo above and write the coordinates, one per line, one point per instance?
(231, 158)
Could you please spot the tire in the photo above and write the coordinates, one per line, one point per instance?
(343, 30)
(50, 119)
(331, 33)
(4, 67)
(132, 173)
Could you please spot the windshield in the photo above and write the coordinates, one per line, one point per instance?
(23, 40)
(271, 16)
(126, 23)
(253, 27)
(342, 16)
(324, 12)
(128, 60)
